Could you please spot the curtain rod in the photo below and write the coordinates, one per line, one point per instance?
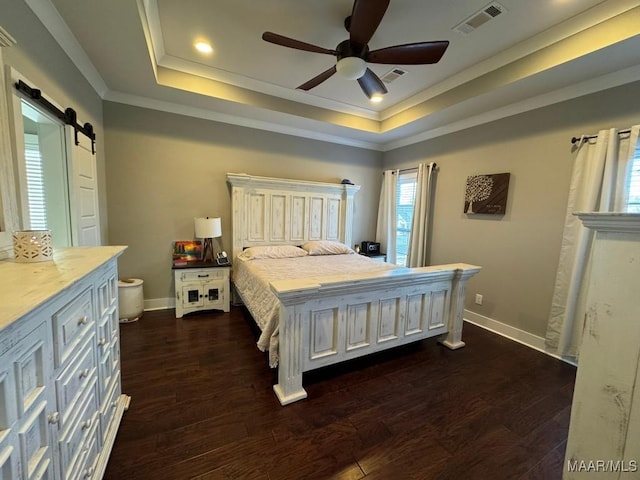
(586, 138)
(403, 170)
(68, 117)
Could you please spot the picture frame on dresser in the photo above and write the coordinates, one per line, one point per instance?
(186, 251)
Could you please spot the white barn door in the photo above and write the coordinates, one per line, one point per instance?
(83, 190)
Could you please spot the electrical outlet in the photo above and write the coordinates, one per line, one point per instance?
(478, 299)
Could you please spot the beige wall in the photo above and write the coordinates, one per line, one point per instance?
(165, 169)
(518, 251)
(38, 58)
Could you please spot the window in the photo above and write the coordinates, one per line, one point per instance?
(633, 200)
(405, 198)
(42, 172)
(35, 183)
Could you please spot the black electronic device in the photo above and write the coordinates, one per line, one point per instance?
(370, 248)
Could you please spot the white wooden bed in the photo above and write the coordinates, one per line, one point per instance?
(327, 320)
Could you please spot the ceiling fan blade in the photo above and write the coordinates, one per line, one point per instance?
(371, 84)
(365, 18)
(318, 79)
(410, 54)
(297, 44)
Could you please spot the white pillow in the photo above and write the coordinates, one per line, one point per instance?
(272, 251)
(326, 247)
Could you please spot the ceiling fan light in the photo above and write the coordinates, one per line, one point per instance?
(351, 68)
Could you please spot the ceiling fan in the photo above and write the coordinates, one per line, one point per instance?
(353, 53)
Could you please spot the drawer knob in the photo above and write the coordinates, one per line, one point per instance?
(88, 472)
(84, 373)
(102, 341)
(86, 424)
(83, 320)
(54, 418)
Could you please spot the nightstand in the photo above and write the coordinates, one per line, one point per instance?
(378, 257)
(201, 286)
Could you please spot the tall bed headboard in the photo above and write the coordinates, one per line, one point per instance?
(277, 211)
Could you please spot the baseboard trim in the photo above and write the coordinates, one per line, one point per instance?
(159, 304)
(512, 333)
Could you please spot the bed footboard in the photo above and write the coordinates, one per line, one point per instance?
(331, 320)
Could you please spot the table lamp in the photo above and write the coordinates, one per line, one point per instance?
(208, 228)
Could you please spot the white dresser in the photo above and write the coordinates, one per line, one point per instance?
(60, 393)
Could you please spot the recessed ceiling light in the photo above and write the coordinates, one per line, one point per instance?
(376, 98)
(203, 47)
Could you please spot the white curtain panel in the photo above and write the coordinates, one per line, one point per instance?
(418, 251)
(386, 228)
(597, 184)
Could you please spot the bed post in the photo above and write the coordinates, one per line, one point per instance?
(347, 214)
(237, 219)
(453, 338)
(289, 387)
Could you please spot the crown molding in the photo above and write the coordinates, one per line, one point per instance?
(595, 85)
(6, 40)
(179, 109)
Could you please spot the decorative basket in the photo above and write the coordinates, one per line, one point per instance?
(32, 246)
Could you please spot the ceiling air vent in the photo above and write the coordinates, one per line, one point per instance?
(392, 74)
(480, 18)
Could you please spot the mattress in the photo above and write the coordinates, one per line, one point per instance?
(252, 278)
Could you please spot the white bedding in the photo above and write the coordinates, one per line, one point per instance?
(252, 279)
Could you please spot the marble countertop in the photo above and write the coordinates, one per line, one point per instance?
(25, 286)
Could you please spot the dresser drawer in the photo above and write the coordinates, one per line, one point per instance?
(32, 369)
(85, 467)
(76, 435)
(34, 443)
(105, 368)
(107, 290)
(73, 381)
(109, 406)
(8, 413)
(8, 467)
(70, 324)
(114, 321)
(105, 330)
(196, 275)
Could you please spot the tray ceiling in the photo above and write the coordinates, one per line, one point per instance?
(532, 54)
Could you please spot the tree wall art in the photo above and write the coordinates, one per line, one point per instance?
(486, 194)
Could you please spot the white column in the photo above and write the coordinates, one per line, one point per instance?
(605, 414)
(9, 218)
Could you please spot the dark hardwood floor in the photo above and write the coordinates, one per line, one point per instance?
(203, 408)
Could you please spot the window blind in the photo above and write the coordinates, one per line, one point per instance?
(35, 184)
(405, 198)
(633, 202)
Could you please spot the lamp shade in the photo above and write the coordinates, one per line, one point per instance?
(207, 227)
